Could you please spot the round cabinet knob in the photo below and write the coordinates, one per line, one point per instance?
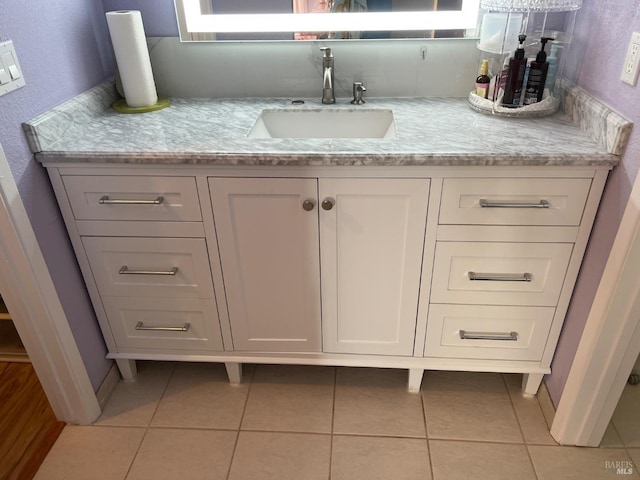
(328, 203)
(308, 205)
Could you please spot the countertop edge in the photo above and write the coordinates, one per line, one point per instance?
(330, 159)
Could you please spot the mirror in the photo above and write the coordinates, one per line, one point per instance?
(210, 20)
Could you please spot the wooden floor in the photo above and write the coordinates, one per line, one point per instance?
(28, 427)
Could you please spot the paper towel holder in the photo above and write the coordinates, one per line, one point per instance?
(121, 106)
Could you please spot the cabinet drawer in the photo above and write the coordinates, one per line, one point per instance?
(499, 273)
(172, 324)
(487, 332)
(133, 198)
(152, 267)
(513, 201)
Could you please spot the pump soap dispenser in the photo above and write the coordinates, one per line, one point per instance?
(515, 76)
(537, 75)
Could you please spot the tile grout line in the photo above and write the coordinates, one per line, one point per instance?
(624, 444)
(615, 429)
(515, 413)
(253, 430)
(333, 416)
(164, 391)
(148, 426)
(426, 431)
(626, 450)
(244, 409)
(488, 442)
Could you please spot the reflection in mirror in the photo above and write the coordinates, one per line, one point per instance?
(207, 20)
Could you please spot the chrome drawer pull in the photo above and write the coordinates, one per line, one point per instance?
(184, 328)
(105, 200)
(500, 277)
(124, 270)
(511, 336)
(489, 204)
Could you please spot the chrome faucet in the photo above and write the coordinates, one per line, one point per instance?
(327, 76)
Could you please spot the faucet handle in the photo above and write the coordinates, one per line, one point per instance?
(326, 51)
(358, 90)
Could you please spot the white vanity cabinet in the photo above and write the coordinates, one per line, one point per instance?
(415, 267)
(283, 241)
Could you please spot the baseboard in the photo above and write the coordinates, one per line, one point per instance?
(108, 385)
(544, 399)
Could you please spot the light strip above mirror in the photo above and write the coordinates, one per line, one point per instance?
(197, 22)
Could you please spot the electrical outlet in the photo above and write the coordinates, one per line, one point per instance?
(632, 61)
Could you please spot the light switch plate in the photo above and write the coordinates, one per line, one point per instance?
(9, 63)
(632, 61)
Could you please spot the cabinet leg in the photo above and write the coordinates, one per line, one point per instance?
(531, 383)
(415, 379)
(127, 369)
(234, 371)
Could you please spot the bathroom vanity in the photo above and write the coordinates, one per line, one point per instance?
(453, 246)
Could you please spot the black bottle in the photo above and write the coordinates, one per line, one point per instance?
(537, 76)
(515, 76)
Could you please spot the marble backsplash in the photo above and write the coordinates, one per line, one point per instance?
(599, 121)
(448, 68)
(47, 128)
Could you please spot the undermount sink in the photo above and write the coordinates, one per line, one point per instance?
(324, 123)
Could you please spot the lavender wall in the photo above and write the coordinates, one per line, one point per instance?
(63, 49)
(158, 16)
(601, 36)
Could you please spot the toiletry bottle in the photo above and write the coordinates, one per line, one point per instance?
(525, 79)
(483, 80)
(552, 59)
(537, 75)
(500, 80)
(515, 75)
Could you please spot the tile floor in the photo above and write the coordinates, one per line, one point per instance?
(624, 429)
(185, 421)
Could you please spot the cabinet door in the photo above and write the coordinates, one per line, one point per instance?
(371, 255)
(270, 261)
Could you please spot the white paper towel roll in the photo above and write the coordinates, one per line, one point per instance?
(132, 56)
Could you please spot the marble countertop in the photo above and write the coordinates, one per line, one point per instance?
(430, 131)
